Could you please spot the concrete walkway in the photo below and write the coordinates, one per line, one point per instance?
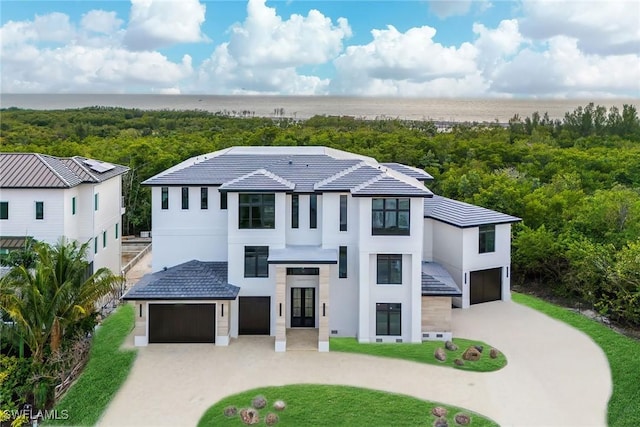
(556, 376)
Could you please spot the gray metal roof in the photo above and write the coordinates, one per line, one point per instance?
(436, 281)
(258, 180)
(462, 214)
(385, 185)
(32, 170)
(13, 242)
(303, 254)
(416, 173)
(192, 280)
(349, 178)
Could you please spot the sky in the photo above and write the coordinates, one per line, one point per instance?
(559, 49)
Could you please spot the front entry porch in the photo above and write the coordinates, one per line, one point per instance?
(302, 339)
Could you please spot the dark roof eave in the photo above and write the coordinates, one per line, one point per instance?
(301, 262)
(393, 195)
(179, 298)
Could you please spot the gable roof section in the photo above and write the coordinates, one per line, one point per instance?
(349, 178)
(416, 173)
(384, 185)
(192, 280)
(258, 180)
(463, 215)
(436, 281)
(32, 170)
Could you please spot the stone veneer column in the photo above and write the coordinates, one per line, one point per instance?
(281, 308)
(323, 309)
(223, 313)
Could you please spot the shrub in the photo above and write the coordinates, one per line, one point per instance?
(15, 385)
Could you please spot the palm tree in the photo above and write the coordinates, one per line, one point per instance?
(56, 293)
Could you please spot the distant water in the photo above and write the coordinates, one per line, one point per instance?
(302, 107)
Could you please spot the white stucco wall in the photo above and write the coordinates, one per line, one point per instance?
(22, 213)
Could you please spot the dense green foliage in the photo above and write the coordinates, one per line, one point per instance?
(334, 405)
(107, 369)
(423, 352)
(575, 182)
(621, 352)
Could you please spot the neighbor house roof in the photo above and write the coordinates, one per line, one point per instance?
(436, 281)
(32, 170)
(302, 254)
(13, 242)
(192, 280)
(462, 214)
(291, 169)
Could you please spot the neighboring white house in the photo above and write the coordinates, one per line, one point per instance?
(47, 197)
(258, 240)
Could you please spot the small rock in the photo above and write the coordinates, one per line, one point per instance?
(479, 348)
(462, 419)
(279, 405)
(493, 353)
(259, 402)
(271, 419)
(249, 416)
(439, 411)
(440, 422)
(450, 346)
(439, 354)
(458, 362)
(472, 354)
(230, 411)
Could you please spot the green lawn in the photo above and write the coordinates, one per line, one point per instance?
(326, 405)
(623, 354)
(105, 372)
(423, 352)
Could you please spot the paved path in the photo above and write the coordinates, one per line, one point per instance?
(556, 376)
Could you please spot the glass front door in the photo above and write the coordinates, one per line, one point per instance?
(303, 307)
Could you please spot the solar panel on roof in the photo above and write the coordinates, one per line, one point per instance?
(97, 166)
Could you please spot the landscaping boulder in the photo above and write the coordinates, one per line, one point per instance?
(230, 411)
(458, 362)
(462, 419)
(479, 348)
(440, 422)
(271, 419)
(439, 411)
(450, 346)
(472, 354)
(440, 355)
(259, 402)
(279, 405)
(249, 416)
(493, 353)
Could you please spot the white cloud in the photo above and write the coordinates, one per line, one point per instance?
(494, 45)
(100, 21)
(160, 23)
(446, 8)
(263, 52)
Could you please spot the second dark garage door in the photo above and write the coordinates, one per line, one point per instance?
(486, 285)
(254, 315)
(182, 323)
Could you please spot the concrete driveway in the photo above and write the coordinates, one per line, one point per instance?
(556, 376)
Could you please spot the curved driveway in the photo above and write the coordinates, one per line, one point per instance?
(556, 376)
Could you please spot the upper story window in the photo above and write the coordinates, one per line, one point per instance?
(389, 269)
(342, 262)
(4, 210)
(165, 197)
(295, 211)
(257, 211)
(343, 212)
(487, 239)
(73, 205)
(96, 199)
(185, 197)
(204, 198)
(313, 211)
(255, 261)
(39, 210)
(390, 217)
(223, 200)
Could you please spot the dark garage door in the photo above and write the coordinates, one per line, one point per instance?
(182, 323)
(486, 285)
(255, 315)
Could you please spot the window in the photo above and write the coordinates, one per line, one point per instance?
(165, 197)
(343, 212)
(389, 269)
(388, 319)
(223, 200)
(313, 211)
(185, 197)
(487, 240)
(104, 239)
(95, 245)
(295, 211)
(96, 198)
(117, 235)
(204, 198)
(4, 210)
(342, 262)
(39, 210)
(255, 261)
(73, 205)
(303, 271)
(257, 211)
(390, 217)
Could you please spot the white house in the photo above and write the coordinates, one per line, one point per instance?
(47, 197)
(259, 240)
